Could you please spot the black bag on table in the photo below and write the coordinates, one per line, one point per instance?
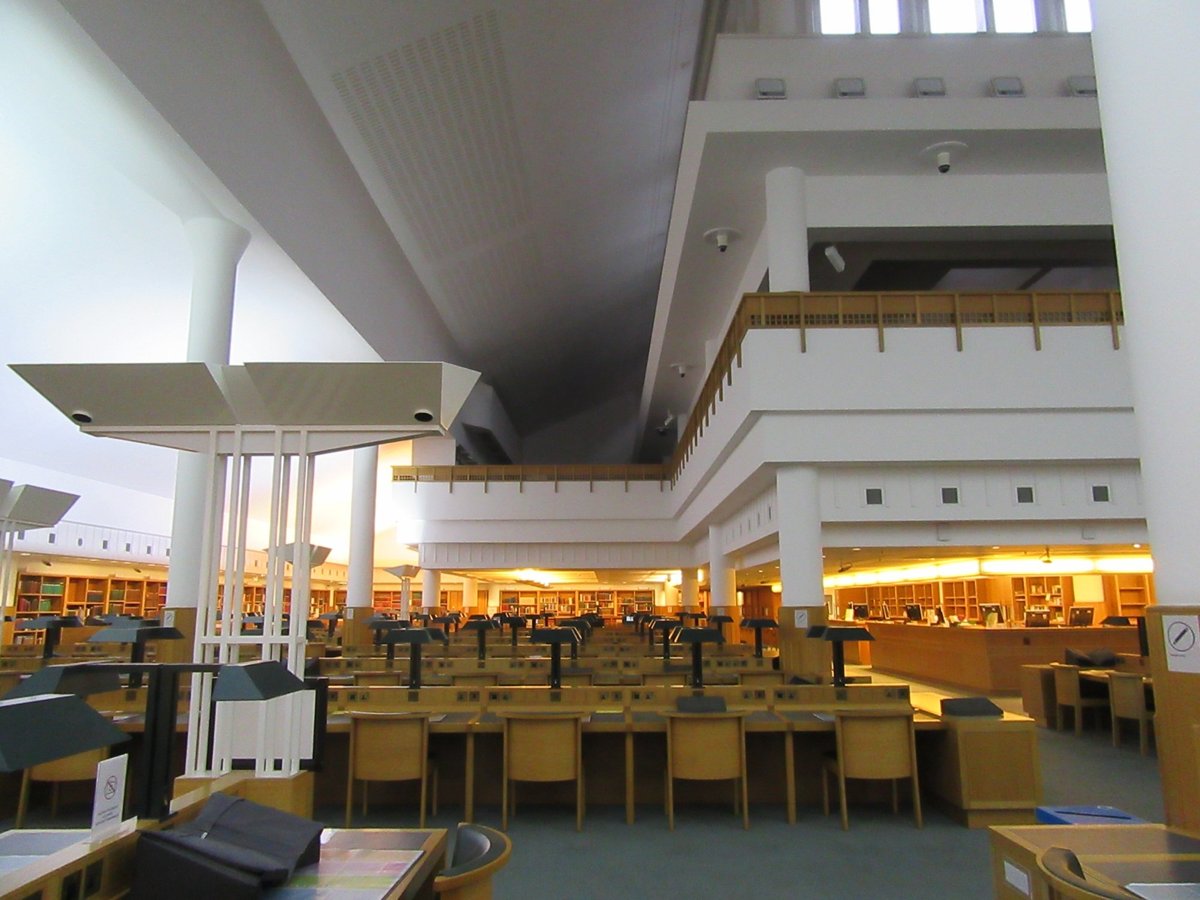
(232, 850)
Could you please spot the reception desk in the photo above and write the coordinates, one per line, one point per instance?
(987, 660)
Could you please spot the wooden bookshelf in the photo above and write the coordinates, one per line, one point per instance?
(40, 595)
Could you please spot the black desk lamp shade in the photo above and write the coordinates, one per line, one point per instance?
(52, 625)
(698, 637)
(838, 636)
(137, 634)
(262, 680)
(758, 625)
(481, 627)
(46, 727)
(667, 627)
(78, 680)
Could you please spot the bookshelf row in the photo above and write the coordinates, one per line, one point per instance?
(1108, 595)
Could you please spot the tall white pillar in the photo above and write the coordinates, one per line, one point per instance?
(1149, 93)
(493, 601)
(431, 589)
(216, 246)
(361, 575)
(914, 16)
(470, 591)
(777, 18)
(405, 597)
(787, 230)
(722, 584)
(1052, 15)
(801, 570)
(689, 590)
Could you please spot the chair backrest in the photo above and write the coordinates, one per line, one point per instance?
(388, 746)
(706, 746)
(875, 744)
(479, 852)
(1064, 875)
(1127, 695)
(543, 747)
(1066, 683)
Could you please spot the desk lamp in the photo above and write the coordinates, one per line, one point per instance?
(515, 623)
(581, 624)
(719, 622)
(383, 624)
(330, 619)
(481, 627)
(838, 636)
(414, 637)
(447, 622)
(594, 619)
(53, 626)
(666, 626)
(698, 637)
(694, 616)
(136, 634)
(261, 680)
(758, 625)
(555, 637)
(45, 727)
(78, 680)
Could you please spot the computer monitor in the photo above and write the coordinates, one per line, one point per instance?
(860, 611)
(913, 612)
(986, 609)
(1081, 616)
(1037, 618)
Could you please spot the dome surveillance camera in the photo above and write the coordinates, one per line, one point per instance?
(943, 161)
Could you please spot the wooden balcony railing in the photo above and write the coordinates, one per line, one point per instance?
(804, 313)
(881, 311)
(522, 474)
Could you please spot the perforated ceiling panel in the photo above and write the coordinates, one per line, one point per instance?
(436, 115)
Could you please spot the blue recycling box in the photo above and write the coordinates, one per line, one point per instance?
(1085, 815)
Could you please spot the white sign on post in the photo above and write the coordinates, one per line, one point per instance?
(801, 618)
(109, 803)
(1181, 638)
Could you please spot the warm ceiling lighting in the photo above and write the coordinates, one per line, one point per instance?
(1069, 565)
(777, 588)
(1124, 564)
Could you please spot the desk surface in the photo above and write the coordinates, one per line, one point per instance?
(369, 864)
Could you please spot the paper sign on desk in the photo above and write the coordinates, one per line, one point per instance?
(109, 803)
(1181, 638)
(802, 618)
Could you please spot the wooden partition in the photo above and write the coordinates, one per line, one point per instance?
(1177, 705)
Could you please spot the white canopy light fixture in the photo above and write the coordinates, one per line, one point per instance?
(835, 258)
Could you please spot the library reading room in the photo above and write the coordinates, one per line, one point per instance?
(578, 449)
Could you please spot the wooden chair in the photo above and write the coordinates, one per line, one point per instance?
(1127, 699)
(78, 767)
(873, 745)
(1069, 693)
(707, 747)
(542, 747)
(1064, 876)
(389, 747)
(479, 853)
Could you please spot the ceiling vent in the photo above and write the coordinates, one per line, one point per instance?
(929, 87)
(1007, 86)
(770, 89)
(1081, 85)
(849, 88)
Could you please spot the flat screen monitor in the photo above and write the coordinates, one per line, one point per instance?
(629, 619)
(1081, 616)
(987, 609)
(1037, 618)
(913, 612)
(860, 611)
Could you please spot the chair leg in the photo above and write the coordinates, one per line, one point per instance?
(670, 802)
(579, 802)
(1116, 731)
(424, 790)
(349, 797)
(23, 802)
(504, 804)
(435, 789)
(916, 788)
(745, 802)
(825, 791)
(842, 794)
(364, 790)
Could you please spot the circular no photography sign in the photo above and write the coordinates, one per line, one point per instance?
(110, 787)
(1181, 637)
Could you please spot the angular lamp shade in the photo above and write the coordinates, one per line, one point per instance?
(78, 680)
(263, 680)
(47, 727)
(553, 636)
(412, 636)
(759, 623)
(134, 633)
(699, 636)
(42, 622)
(481, 625)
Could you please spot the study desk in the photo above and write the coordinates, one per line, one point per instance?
(356, 863)
(1111, 855)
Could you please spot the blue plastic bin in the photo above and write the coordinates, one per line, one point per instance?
(1085, 815)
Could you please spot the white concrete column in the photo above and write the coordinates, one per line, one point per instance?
(797, 490)
(914, 17)
(808, 16)
(216, 246)
(405, 597)
(722, 576)
(431, 588)
(361, 576)
(493, 602)
(777, 18)
(787, 230)
(1052, 15)
(689, 590)
(470, 591)
(1149, 93)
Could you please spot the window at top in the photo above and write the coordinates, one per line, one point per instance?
(953, 17)
(1014, 16)
(839, 17)
(885, 16)
(1079, 15)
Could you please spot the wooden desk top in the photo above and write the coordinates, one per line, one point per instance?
(358, 862)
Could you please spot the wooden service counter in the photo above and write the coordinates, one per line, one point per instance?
(987, 660)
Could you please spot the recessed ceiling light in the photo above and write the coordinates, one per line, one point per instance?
(1135, 547)
(855, 549)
